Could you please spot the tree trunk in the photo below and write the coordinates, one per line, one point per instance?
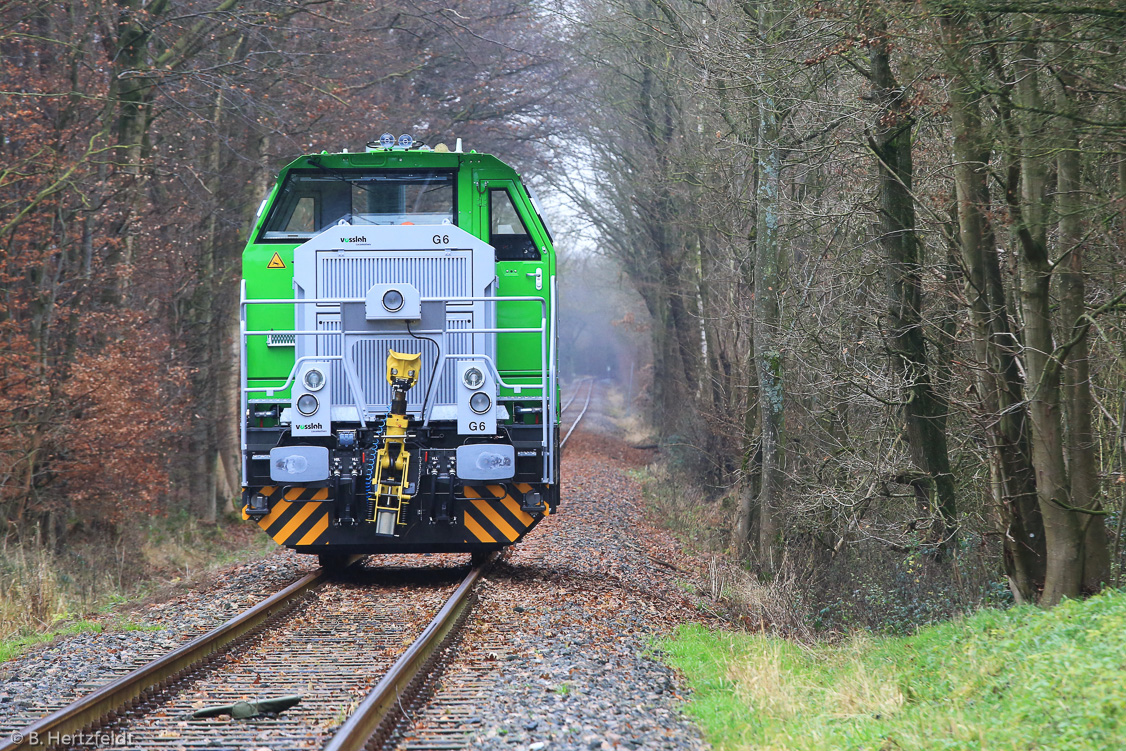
(751, 457)
(998, 380)
(767, 339)
(716, 367)
(1062, 531)
(664, 409)
(1081, 461)
(924, 410)
(130, 97)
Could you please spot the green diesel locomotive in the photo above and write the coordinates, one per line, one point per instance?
(398, 355)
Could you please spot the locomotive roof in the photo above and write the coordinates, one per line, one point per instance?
(397, 158)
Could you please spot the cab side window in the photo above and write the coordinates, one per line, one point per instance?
(507, 231)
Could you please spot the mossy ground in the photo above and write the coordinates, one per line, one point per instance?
(1022, 678)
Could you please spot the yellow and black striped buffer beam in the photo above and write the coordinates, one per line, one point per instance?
(298, 516)
(493, 515)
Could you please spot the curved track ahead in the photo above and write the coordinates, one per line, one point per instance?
(586, 404)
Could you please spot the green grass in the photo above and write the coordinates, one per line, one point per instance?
(16, 645)
(1022, 678)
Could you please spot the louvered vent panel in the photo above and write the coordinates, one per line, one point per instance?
(434, 276)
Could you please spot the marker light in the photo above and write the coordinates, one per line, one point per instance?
(308, 404)
(314, 379)
(480, 402)
(473, 378)
(393, 300)
(406, 140)
(387, 140)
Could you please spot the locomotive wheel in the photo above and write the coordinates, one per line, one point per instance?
(334, 562)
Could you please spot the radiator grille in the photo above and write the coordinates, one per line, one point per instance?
(434, 275)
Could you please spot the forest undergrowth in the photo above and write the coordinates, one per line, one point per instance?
(819, 592)
(44, 592)
(872, 647)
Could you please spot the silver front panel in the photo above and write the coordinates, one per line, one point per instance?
(434, 274)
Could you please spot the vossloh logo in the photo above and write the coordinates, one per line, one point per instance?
(311, 426)
(356, 239)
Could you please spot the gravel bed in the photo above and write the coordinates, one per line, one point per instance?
(570, 617)
(330, 652)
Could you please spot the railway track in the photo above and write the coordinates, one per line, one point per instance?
(126, 693)
(448, 720)
(586, 404)
(323, 639)
(442, 712)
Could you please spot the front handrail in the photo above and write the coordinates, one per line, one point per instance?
(544, 388)
(541, 329)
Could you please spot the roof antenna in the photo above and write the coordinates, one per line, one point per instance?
(457, 147)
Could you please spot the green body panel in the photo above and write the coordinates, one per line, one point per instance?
(263, 282)
(518, 354)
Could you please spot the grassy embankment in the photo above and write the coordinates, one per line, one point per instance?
(45, 594)
(1000, 679)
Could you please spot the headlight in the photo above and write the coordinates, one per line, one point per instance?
(308, 404)
(392, 300)
(473, 378)
(314, 379)
(480, 402)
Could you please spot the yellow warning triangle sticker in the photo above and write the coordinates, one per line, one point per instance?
(276, 262)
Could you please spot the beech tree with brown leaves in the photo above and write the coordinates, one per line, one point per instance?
(139, 139)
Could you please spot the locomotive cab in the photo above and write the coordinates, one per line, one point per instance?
(398, 380)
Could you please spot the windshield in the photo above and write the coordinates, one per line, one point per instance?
(539, 211)
(309, 201)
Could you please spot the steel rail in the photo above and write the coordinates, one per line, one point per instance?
(575, 424)
(374, 719)
(94, 708)
(570, 401)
